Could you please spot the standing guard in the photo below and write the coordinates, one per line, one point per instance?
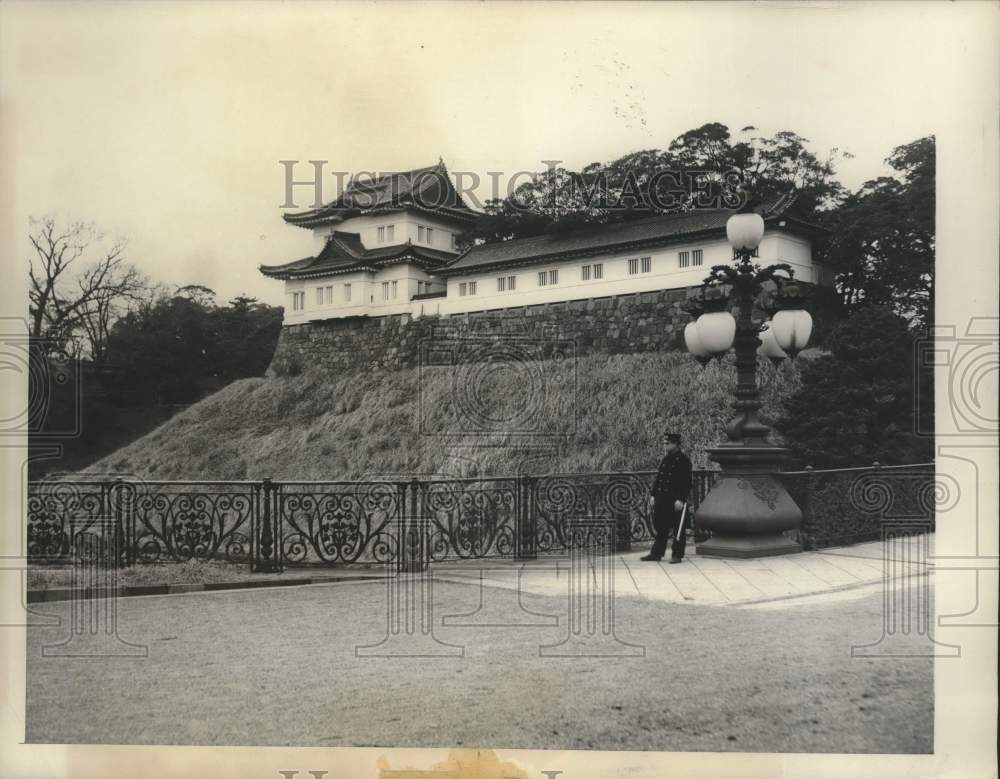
(669, 499)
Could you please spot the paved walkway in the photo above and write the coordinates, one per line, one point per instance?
(706, 580)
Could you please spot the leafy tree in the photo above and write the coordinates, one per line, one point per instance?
(767, 166)
(855, 404)
(883, 242)
(180, 348)
(709, 163)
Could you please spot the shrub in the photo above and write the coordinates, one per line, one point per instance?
(855, 404)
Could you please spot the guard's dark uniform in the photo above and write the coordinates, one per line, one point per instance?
(672, 483)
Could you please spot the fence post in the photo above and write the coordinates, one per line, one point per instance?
(524, 520)
(267, 553)
(414, 556)
(805, 529)
(118, 505)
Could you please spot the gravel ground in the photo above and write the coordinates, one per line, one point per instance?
(278, 667)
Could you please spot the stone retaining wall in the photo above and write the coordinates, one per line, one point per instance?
(622, 324)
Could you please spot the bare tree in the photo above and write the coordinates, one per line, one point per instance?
(68, 293)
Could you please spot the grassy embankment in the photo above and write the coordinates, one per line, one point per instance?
(598, 413)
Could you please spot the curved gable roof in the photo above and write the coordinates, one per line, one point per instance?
(425, 189)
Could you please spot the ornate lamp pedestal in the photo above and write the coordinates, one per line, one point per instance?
(748, 511)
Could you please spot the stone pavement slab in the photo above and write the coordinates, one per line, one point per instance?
(699, 580)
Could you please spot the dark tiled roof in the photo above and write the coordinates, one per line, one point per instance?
(655, 230)
(426, 189)
(344, 252)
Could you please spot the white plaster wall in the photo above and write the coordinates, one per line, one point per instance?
(783, 247)
(665, 273)
(406, 225)
(366, 294)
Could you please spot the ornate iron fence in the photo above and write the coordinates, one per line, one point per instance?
(155, 521)
(271, 524)
(335, 522)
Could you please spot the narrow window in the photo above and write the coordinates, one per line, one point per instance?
(420, 288)
(347, 292)
(647, 264)
(633, 266)
(430, 236)
(472, 287)
(420, 233)
(381, 235)
(553, 277)
(385, 290)
(395, 289)
(511, 281)
(599, 271)
(543, 278)
(319, 296)
(390, 232)
(585, 273)
(329, 294)
(461, 289)
(501, 284)
(696, 257)
(683, 259)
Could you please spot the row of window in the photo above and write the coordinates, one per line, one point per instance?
(324, 296)
(390, 290)
(594, 271)
(425, 234)
(640, 265)
(687, 260)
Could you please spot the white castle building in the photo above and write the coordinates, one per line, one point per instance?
(390, 246)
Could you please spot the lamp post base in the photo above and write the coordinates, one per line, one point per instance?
(748, 546)
(748, 511)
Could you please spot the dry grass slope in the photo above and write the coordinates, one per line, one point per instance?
(597, 413)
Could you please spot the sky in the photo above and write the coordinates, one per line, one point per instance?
(164, 123)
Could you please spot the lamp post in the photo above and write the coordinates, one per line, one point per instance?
(748, 511)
